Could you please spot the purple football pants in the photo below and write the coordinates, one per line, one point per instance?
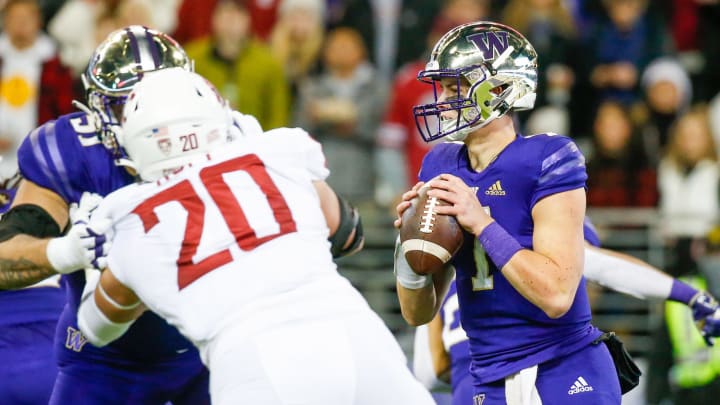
(27, 364)
(179, 382)
(585, 377)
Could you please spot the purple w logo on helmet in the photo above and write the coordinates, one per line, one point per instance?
(491, 44)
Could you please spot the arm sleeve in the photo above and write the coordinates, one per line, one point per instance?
(625, 276)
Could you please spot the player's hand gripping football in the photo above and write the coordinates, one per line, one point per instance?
(707, 316)
(405, 203)
(463, 203)
(87, 243)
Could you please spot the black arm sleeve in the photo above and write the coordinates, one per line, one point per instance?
(28, 219)
(349, 220)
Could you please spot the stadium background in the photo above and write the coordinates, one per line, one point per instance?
(634, 82)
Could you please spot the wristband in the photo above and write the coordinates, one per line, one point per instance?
(682, 292)
(63, 256)
(498, 244)
(405, 274)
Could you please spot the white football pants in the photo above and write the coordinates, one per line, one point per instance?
(352, 359)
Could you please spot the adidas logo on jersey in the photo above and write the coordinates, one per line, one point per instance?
(579, 386)
(495, 189)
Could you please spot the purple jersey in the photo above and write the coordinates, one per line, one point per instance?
(67, 157)
(507, 333)
(455, 339)
(456, 344)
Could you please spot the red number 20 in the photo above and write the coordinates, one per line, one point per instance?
(211, 176)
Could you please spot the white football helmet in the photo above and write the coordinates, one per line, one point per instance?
(499, 64)
(171, 118)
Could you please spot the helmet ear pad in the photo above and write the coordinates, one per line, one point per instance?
(481, 94)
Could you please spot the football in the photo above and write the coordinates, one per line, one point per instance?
(428, 239)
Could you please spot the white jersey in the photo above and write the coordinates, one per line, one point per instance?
(238, 239)
(234, 252)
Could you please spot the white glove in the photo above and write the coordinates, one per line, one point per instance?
(85, 245)
(243, 125)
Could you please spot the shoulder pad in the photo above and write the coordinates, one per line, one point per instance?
(49, 155)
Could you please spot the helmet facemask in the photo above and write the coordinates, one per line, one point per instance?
(498, 79)
(107, 110)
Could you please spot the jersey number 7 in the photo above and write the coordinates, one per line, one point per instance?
(232, 212)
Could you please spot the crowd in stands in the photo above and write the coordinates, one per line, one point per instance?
(636, 83)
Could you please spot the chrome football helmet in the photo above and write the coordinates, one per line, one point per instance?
(498, 64)
(117, 65)
(171, 118)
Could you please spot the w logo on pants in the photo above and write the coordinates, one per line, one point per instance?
(75, 339)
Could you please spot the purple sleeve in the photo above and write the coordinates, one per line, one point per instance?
(562, 168)
(591, 235)
(45, 159)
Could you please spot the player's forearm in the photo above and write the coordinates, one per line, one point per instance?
(418, 306)
(547, 284)
(626, 274)
(23, 262)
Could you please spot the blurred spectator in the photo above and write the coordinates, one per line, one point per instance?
(549, 26)
(195, 16)
(618, 171)
(194, 20)
(709, 43)
(688, 181)
(341, 108)
(615, 52)
(263, 16)
(34, 86)
(74, 24)
(297, 38)
(714, 113)
(392, 29)
(241, 67)
(667, 94)
(400, 146)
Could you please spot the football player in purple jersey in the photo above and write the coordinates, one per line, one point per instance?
(519, 281)
(59, 161)
(445, 344)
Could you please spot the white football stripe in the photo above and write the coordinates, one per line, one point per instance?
(427, 247)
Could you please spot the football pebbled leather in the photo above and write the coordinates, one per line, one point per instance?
(428, 239)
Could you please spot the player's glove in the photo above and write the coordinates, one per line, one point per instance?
(711, 327)
(86, 244)
(706, 314)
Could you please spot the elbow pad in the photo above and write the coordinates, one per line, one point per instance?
(28, 219)
(349, 221)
